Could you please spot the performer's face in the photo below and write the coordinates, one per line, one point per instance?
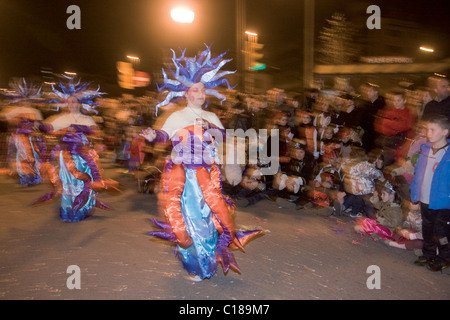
(196, 94)
(73, 105)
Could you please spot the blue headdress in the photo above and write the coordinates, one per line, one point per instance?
(189, 71)
(21, 90)
(78, 90)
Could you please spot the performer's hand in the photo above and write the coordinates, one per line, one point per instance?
(36, 125)
(148, 134)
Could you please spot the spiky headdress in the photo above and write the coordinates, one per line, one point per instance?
(21, 90)
(78, 90)
(189, 71)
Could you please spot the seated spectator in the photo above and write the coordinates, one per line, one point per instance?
(411, 228)
(389, 212)
(298, 172)
(301, 161)
(322, 114)
(327, 183)
(307, 132)
(329, 144)
(388, 220)
(359, 185)
(253, 188)
(288, 188)
(350, 142)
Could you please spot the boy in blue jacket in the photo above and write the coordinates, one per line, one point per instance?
(431, 187)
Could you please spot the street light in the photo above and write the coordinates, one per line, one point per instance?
(182, 15)
(133, 58)
(426, 49)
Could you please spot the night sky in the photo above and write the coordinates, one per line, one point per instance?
(33, 33)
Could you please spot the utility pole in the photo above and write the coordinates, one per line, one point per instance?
(249, 50)
(240, 28)
(308, 44)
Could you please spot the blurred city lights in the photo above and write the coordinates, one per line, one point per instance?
(182, 15)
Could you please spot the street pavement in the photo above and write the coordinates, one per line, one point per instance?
(303, 255)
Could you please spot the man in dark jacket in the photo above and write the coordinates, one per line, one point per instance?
(374, 102)
(441, 102)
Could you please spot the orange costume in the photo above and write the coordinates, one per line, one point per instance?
(199, 217)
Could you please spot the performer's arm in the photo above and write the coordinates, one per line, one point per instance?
(155, 136)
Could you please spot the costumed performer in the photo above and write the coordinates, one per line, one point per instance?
(25, 144)
(199, 217)
(80, 172)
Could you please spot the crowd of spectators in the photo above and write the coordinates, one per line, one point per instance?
(338, 149)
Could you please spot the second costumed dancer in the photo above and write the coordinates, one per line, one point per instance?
(199, 217)
(80, 175)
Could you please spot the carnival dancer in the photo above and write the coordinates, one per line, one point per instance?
(25, 144)
(199, 217)
(80, 172)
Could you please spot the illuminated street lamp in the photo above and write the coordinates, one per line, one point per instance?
(133, 58)
(426, 49)
(182, 15)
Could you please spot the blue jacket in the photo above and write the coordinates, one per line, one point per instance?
(440, 185)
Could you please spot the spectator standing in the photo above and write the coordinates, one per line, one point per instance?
(431, 187)
(373, 103)
(441, 102)
(393, 124)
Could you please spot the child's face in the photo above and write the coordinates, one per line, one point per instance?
(282, 121)
(387, 197)
(306, 118)
(328, 134)
(298, 154)
(398, 102)
(436, 133)
(379, 163)
(414, 206)
(371, 93)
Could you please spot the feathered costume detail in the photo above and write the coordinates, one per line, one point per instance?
(21, 90)
(200, 218)
(79, 90)
(191, 70)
